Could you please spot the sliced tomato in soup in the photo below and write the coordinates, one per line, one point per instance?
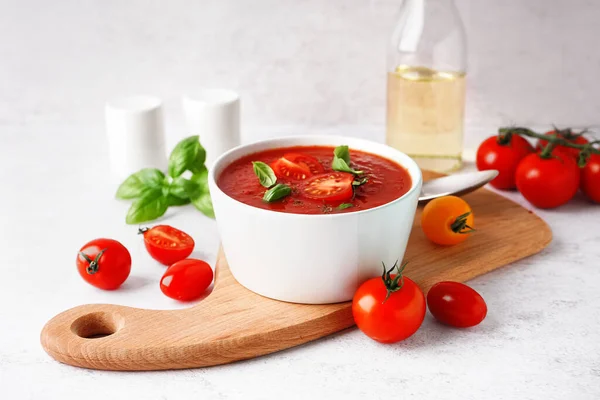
(297, 166)
(332, 186)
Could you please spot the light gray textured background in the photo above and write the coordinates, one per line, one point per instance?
(301, 66)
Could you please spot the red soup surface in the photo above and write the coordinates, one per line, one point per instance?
(316, 187)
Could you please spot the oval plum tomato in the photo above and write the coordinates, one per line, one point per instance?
(389, 308)
(456, 304)
(567, 134)
(332, 186)
(297, 166)
(590, 178)
(104, 263)
(167, 244)
(186, 279)
(447, 220)
(493, 154)
(548, 182)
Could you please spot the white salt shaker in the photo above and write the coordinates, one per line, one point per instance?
(214, 115)
(136, 135)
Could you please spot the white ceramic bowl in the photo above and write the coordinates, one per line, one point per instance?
(312, 259)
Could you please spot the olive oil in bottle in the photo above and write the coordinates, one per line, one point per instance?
(426, 84)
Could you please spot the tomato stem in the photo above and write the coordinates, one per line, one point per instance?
(460, 224)
(392, 284)
(92, 268)
(561, 137)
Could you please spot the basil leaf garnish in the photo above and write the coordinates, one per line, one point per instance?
(343, 206)
(341, 160)
(277, 192)
(186, 156)
(338, 164)
(342, 152)
(265, 174)
(358, 182)
(137, 184)
(151, 205)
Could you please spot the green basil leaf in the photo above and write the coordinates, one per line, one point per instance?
(137, 184)
(151, 205)
(176, 201)
(183, 188)
(201, 197)
(184, 156)
(342, 152)
(198, 164)
(343, 206)
(277, 192)
(203, 203)
(338, 164)
(265, 174)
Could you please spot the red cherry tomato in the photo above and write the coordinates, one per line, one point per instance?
(186, 279)
(590, 178)
(297, 166)
(570, 136)
(548, 182)
(503, 157)
(167, 244)
(332, 186)
(104, 263)
(456, 304)
(388, 319)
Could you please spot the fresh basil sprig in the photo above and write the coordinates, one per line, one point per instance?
(341, 160)
(277, 192)
(153, 192)
(265, 174)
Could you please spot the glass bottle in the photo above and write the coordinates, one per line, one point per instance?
(426, 84)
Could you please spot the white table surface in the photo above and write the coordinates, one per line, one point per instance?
(541, 339)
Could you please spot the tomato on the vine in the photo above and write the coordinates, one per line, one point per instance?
(447, 220)
(456, 304)
(504, 155)
(104, 263)
(590, 178)
(390, 308)
(186, 280)
(167, 244)
(548, 182)
(568, 135)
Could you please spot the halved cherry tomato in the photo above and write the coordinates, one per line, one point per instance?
(447, 220)
(590, 178)
(389, 308)
(548, 182)
(186, 280)
(456, 304)
(167, 244)
(493, 154)
(569, 135)
(104, 263)
(297, 166)
(332, 186)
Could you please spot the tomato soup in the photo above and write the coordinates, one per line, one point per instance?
(309, 183)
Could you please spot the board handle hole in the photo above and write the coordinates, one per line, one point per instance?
(97, 325)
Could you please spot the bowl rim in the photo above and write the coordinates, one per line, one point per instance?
(415, 184)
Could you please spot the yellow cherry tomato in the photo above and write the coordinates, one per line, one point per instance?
(447, 220)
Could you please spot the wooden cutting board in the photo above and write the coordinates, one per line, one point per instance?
(233, 323)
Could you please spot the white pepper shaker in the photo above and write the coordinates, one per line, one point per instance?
(136, 135)
(214, 115)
